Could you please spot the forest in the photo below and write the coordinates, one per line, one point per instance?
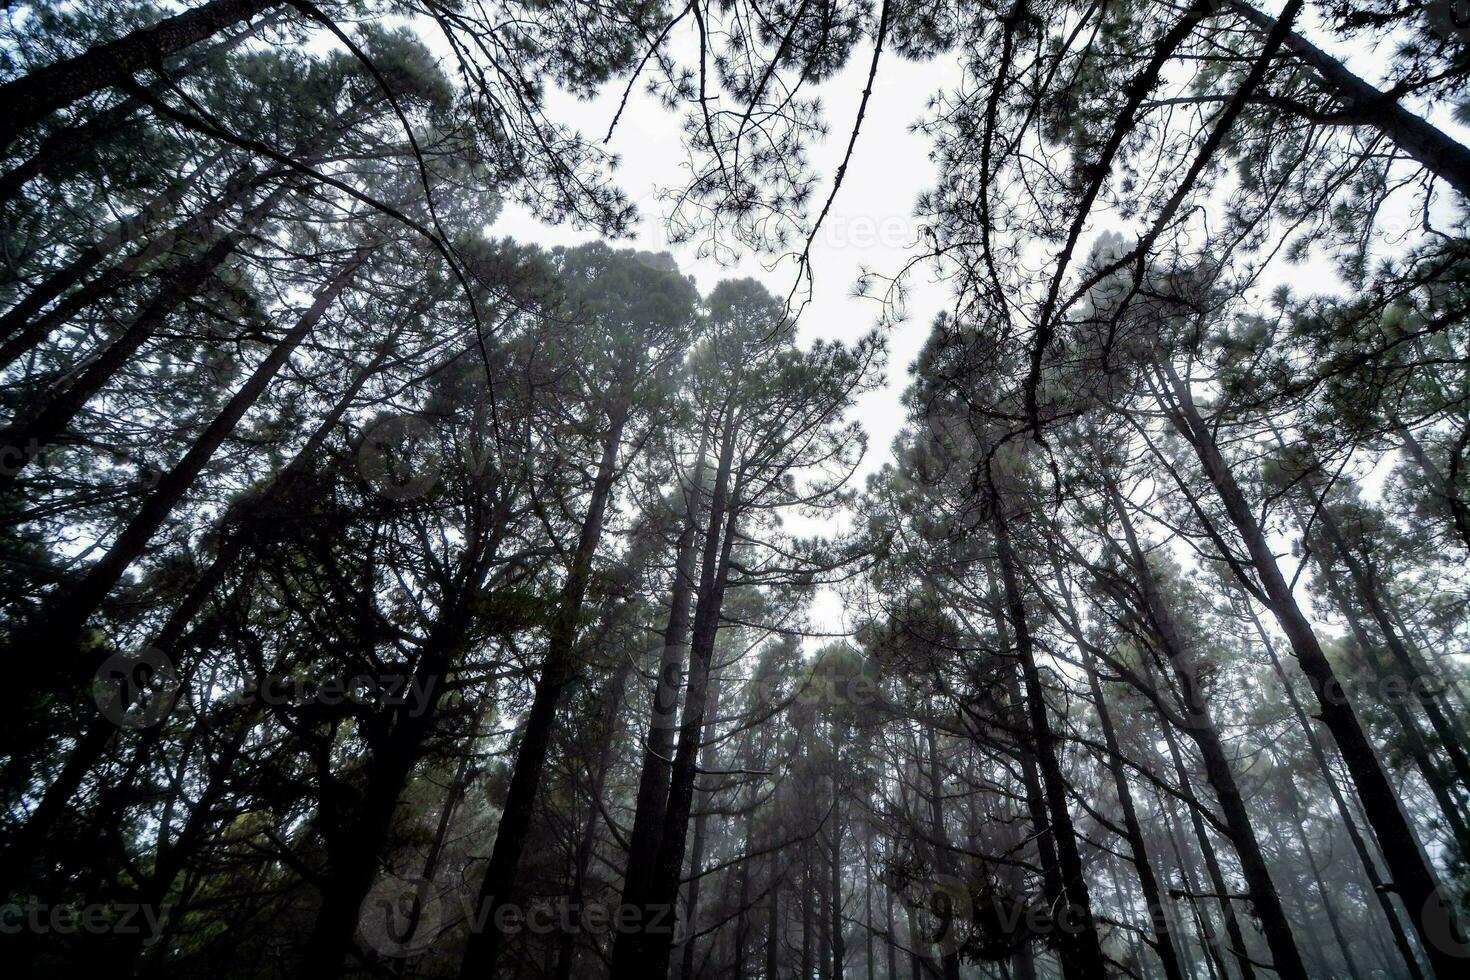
(422, 555)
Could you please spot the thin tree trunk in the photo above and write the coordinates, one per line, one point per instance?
(1328, 906)
(658, 748)
(1216, 875)
(834, 888)
(84, 599)
(773, 931)
(1412, 875)
(1082, 957)
(582, 861)
(943, 858)
(22, 327)
(1152, 895)
(1439, 485)
(1314, 744)
(642, 953)
(24, 440)
(483, 949)
(1264, 897)
(90, 748)
(1415, 744)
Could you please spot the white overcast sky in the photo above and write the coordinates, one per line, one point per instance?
(871, 224)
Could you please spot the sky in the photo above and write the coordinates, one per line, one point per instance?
(870, 225)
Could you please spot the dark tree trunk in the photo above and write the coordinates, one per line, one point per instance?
(1415, 744)
(26, 439)
(773, 931)
(1216, 874)
(483, 949)
(658, 752)
(1412, 669)
(1147, 881)
(1295, 822)
(37, 94)
(645, 952)
(1364, 105)
(1319, 755)
(1082, 957)
(1438, 483)
(24, 330)
(1201, 728)
(1412, 876)
(582, 860)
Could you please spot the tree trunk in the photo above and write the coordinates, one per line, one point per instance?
(773, 931)
(483, 948)
(1264, 897)
(1413, 669)
(1367, 106)
(1416, 747)
(90, 747)
(1082, 957)
(37, 94)
(582, 861)
(1152, 896)
(1218, 884)
(1412, 876)
(25, 440)
(1295, 821)
(642, 953)
(658, 751)
(1314, 744)
(1438, 483)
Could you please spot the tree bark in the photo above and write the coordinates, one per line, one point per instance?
(483, 949)
(37, 94)
(1367, 106)
(1082, 957)
(658, 752)
(1319, 755)
(1202, 730)
(24, 440)
(1412, 876)
(1147, 881)
(724, 511)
